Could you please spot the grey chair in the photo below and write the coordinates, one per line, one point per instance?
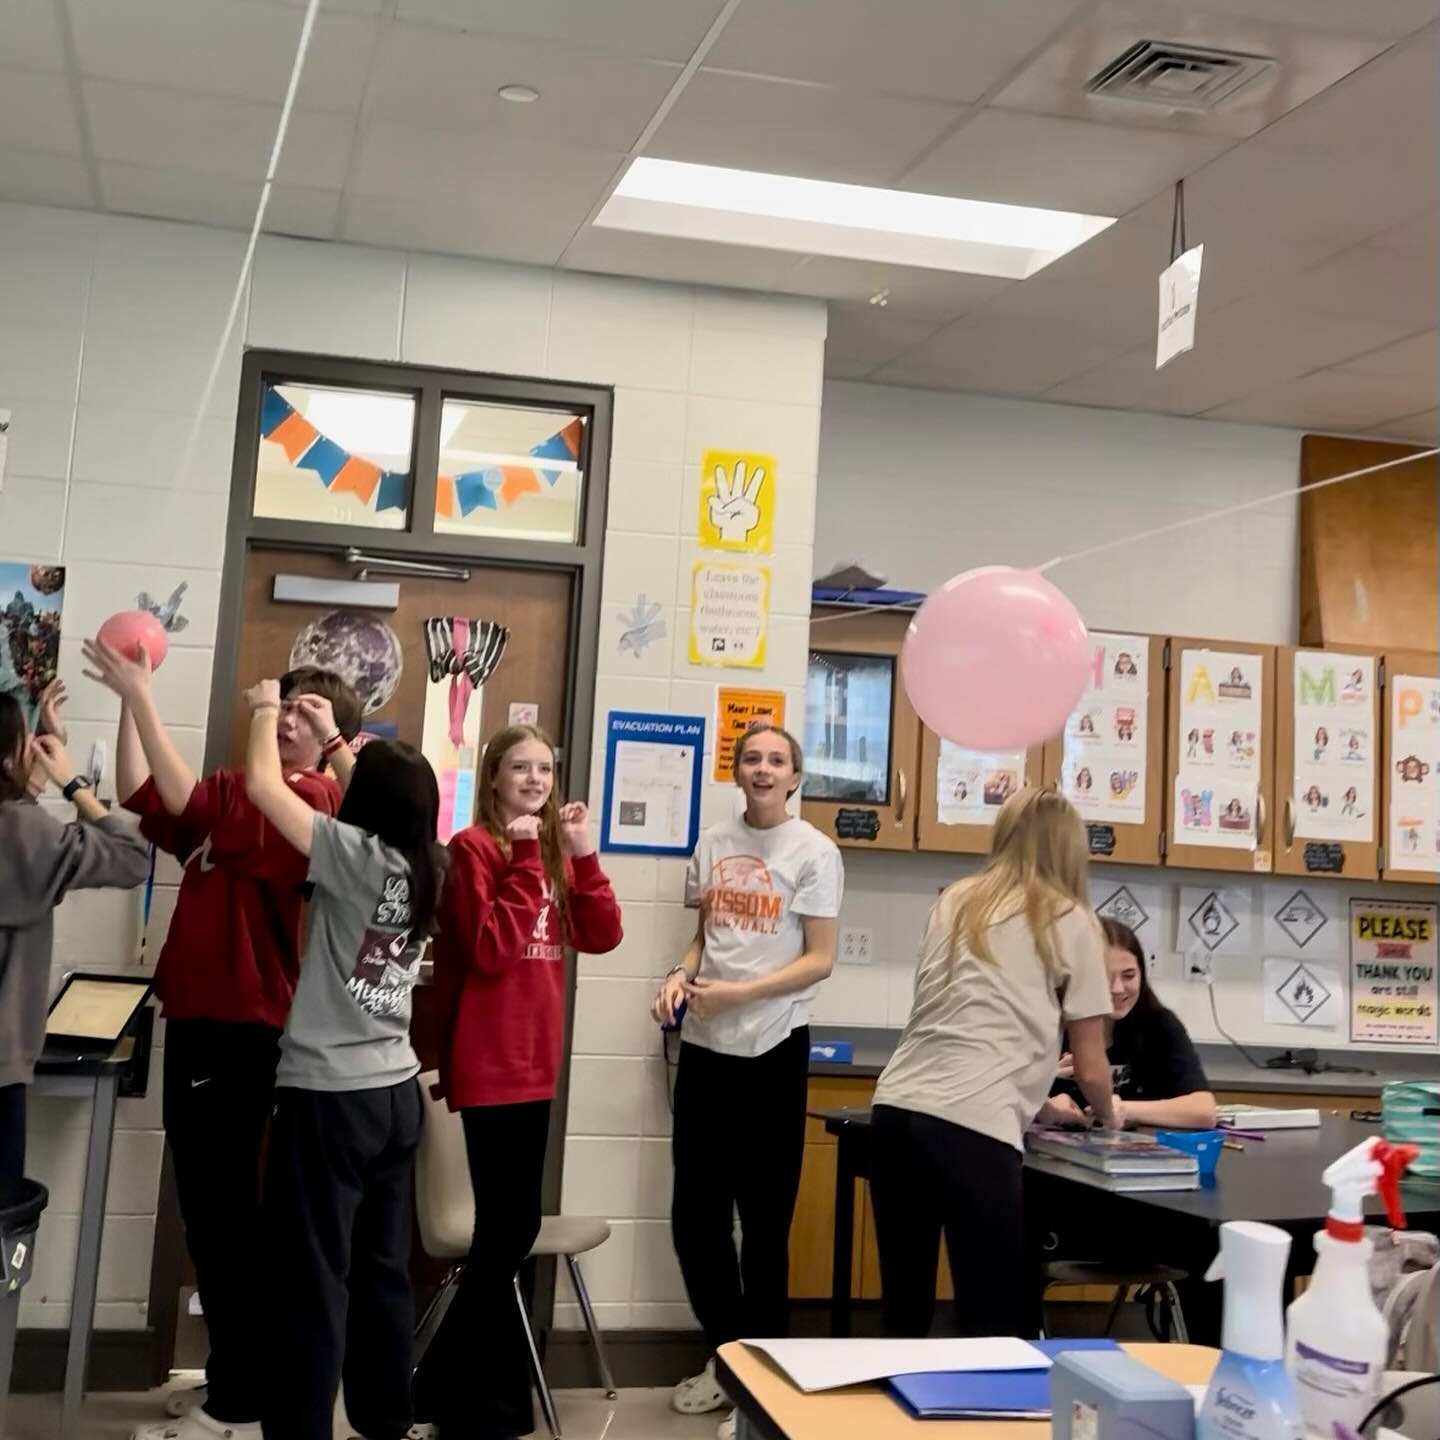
(1160, 1280)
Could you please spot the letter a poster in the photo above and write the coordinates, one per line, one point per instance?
(1392, 972)
(1217, 781)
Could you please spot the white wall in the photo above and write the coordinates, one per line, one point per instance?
(109, 326)
(921, 485)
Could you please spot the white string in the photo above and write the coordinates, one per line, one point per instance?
(1175, 525)
(187, 456)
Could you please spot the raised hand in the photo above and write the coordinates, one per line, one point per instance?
(575, 837)
(524, 827)
(263, 695)
(108, 667)
(52, 697)
(319, 714)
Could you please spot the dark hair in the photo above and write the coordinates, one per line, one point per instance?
(487, 809)
(767, 727)
(312, 680)
(1122, 937)
(13, 734)
(393, 796)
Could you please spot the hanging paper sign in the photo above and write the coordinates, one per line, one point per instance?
(1179, 296)
(1334, 796)
(729, 614)
(971, 785)
(737, 501)
(1103, 770)
(1217, 781)
(1413, 774)
(736, 711)
(4, 442)
(1392, 972)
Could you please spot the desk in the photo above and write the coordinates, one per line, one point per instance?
(99, 1082)
(1276, 1180)
(769, 1407)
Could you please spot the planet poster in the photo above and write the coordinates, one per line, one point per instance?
(363, 650)
(31, 598)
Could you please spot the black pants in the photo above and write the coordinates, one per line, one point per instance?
(928, 1175)
(739, 1142)
(12, 1141)
(219, 1089)
(339, 1211)
(474, 1380)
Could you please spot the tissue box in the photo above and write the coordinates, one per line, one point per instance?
(1109, 1395)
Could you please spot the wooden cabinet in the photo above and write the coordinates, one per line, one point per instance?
(1327, 763)
(1410, 759)
(1220, 771)
(961, 792)
(862, 738)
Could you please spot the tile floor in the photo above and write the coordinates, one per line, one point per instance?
(584, 1415)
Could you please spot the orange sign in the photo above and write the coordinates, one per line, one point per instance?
(736, 711)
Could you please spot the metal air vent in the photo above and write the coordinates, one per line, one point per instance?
(1171, 76)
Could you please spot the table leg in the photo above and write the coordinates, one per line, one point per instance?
(841, 1262)
(87, 1255)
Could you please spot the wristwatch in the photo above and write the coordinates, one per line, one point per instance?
(77, 784)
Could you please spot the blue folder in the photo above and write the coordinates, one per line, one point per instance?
(986, 1394)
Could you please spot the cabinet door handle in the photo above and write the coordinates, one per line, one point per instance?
(903, 786)
(1262, 818)
(1289, 821)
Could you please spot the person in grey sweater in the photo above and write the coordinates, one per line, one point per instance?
(41, 861)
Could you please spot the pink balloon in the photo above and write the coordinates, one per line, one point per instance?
(995, 659)
(130, 629)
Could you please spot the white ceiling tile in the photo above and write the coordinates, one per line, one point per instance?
(142, 125)
(217, 200)
(1119, 316)
(1389, 18)
(1060, 164)
(932, 48)
(937, 295)
(447, 79)
(1330, 400)
(1424, 428)
(871, 335)
(348, 7)
(27, 175)
(221, 48)
(36, 112)
(1420, 236)
(643, 29)
(1365, 281)
(453, 227)
(659, 257)
(32, 34)
(1416, 356)
(837, 368)
(791, 129)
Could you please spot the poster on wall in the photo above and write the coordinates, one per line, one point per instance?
(736, 710)
(972, 785)
(31, 599)
(729, 614)
(1392, 972)
(1217, 780)
(1103, 769)
(1215, 922)
(1414, 774)
(737, 501)
(1303, 992)
(4, 443)
(652, 783)
(1334, 796)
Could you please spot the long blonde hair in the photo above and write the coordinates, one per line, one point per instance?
(487, 808)
(1038, 865)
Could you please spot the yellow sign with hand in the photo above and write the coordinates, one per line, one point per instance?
(737, 501)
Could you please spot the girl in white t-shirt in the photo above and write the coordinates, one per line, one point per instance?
(768, 887)
(1009, 956)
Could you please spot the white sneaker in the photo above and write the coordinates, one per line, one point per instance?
(181, 1402)
(726, 1429)
(700, 1394)
(197, 1425)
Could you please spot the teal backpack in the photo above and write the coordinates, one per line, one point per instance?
(1410, 1110)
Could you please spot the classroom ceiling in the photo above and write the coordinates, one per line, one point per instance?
(1315, 189)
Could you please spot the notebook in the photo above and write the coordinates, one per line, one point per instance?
(1259, 1117)
(1115, 1184)
(987, 1394)
(1113, 1152)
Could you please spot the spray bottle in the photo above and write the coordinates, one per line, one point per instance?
(1338, 1340)
(1251, 1396)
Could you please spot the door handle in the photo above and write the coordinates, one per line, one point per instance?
(903, 786)
(1262, 818)
(1289, 822)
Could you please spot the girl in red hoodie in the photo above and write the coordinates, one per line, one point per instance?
(524, 882)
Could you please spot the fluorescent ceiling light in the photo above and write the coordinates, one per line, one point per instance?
(852, 222)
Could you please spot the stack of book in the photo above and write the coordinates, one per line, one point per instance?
(1123, 1161)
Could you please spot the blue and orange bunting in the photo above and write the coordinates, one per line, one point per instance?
(445, 497)
(394, 491)
(358, 476)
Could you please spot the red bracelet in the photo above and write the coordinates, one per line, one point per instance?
(327, 750)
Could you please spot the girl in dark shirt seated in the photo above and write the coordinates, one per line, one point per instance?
(1156, 1073)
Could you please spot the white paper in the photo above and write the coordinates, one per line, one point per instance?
(651, 799)
(1217, 782)
(1393, 989)
(1334, 796)
(828, 1364)
(1216, 921)
(970, 786)
(729, 614)
(1305, 920)
(1103, 769)
(1134, 904)
(1179, 297)
(1413, 773)
(1303, 992)
(4, 442)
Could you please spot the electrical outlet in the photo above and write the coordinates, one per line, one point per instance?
(1200, 967)
(857, 945)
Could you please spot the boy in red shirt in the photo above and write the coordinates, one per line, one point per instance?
(225, 979)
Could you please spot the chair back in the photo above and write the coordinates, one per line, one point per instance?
(444, 1200)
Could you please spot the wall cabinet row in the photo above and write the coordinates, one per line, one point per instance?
(1191, 753)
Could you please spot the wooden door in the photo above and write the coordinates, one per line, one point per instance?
(957, 807)
(1229, 804)
(862, 738)
(1327, 762)
(1410, 733)
(1103, 714)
